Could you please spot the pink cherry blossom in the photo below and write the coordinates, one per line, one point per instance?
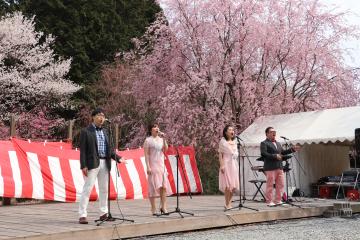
(209, 63)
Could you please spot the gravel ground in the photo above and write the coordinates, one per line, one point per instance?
(310, 228)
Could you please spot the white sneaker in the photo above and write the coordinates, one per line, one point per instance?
(280, 203)
(271, 204)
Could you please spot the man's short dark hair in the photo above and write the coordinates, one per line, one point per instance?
(96, 111)
(267, 130)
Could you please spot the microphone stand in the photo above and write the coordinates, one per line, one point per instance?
(109, 217)
(241, 205)
(287, 169)
(297, 160)
(177, 209)
(250, 164)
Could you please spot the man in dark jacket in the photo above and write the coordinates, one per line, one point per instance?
(95, 162)
(273, 154)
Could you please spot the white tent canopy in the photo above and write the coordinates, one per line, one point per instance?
(323, 126)
(325, 136)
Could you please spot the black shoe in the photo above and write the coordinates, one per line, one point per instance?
(83, 220)
(103, 217)
(162, 211)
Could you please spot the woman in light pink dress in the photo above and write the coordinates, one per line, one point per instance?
(229, 169)
(158, 184)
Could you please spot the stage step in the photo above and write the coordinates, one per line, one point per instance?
(341, 209)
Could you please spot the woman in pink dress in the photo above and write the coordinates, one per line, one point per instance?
(229, 169)
(158, 184)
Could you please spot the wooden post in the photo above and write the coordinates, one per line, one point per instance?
(117, 136)
(12, 126)
(7, 201)
(70, 130)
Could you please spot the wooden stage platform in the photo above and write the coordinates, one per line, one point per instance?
(60, 220)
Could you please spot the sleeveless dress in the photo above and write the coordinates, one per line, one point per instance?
(159, 174)
(230, 178)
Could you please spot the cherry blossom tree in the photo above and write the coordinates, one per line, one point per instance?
(118, 101)
(30, 73)
(38, 124)
(209, 63)
(4, 131)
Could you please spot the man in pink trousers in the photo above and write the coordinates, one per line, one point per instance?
(273, 153)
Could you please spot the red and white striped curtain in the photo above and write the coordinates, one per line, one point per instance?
(51, 171)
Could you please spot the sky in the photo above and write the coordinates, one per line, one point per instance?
(353, 6)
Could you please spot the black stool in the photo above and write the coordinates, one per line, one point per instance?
(258, 184)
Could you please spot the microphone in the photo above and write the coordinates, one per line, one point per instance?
(284, 138)
(161, 133)
(107, 120)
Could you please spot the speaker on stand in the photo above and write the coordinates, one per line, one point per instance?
(357, 148)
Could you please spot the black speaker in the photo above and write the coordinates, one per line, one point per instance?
(357, 141)
(357, 149)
